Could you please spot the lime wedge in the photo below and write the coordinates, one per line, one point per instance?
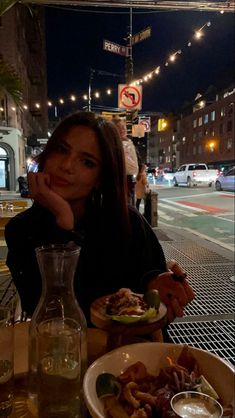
(152, 298)
(107, 385)
(207, 388)
(131, 319)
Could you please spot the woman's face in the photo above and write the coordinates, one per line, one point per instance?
(75, 165)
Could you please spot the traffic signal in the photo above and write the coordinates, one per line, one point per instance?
(162, 125)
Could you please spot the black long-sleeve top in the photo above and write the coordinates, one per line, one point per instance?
(103, 266)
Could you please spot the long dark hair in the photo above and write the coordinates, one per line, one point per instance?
(113, 190)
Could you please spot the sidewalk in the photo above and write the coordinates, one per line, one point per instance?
(208, 322)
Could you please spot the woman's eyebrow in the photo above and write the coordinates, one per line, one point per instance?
(90, 155)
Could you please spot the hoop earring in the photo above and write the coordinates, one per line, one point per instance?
(97, 197)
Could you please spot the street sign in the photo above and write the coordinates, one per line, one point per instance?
(117, 49)
(129, 97)
(146, 122)
(42, 140)
(141, 36)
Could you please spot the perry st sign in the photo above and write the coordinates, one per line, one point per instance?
(115, 48)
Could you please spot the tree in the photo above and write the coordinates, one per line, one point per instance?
(10, 83)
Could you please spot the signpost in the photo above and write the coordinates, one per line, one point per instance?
(115, 48)
(141, 36)
(129, 97)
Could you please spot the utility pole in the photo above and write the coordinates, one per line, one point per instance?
(129, 72)
(89, 89)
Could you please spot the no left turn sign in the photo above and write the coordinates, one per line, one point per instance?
(129, 97)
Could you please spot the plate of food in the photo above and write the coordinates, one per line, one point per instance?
(140, 380)
(126, 307)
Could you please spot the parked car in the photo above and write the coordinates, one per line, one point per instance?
(167, 174)
(226, 181)
(194, 174)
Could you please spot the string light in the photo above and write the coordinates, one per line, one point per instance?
(172, 58)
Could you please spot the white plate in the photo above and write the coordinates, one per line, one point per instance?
(217, 371)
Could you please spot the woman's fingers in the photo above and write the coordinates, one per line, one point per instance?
(188, 290)
(175, 295)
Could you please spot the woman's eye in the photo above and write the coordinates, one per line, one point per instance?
(88, 163)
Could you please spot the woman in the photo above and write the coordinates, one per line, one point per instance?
(80, 194)
(141, 185)
(131, 159)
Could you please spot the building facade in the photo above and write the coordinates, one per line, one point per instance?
(203, 133)
(207, 133)
(22, 45)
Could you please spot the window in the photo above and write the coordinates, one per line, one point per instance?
(213, 115)
(195, 123)
(194, 136)
(206, 118)
(229, 126)
(196, 167)
(230, 108)
(184, 139)
(199, 134)
(200, 121)
(199, 149)
(231, 172)
(229, 143)
(194, 150)
(222, 111)
(182, 168)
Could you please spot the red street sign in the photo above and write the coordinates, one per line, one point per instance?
(129, 97)
(141, 36)
(112, 47)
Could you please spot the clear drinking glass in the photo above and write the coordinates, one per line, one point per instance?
(6, 362)
(59, 357)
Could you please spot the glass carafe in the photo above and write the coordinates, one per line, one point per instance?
(57, 308)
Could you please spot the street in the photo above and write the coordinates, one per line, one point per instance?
(201, 210)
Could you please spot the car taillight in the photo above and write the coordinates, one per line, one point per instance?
(194, 174)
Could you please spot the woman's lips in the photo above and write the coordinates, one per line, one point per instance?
(60, 181)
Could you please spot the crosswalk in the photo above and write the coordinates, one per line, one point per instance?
(167, 205)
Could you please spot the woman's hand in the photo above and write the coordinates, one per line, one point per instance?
(174, 294)
(40, 191)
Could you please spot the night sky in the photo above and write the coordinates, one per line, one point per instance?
(75, 44)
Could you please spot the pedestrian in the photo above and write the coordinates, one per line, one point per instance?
(80, 195)
(142, 185)
(131, 159)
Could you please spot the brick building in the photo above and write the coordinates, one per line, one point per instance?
(203, 133)
(206, 134)
(22, 44)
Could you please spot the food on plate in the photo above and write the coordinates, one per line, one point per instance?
(128, 307)
(136, 393)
